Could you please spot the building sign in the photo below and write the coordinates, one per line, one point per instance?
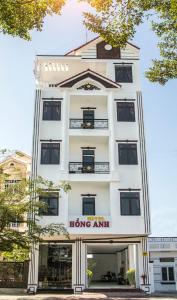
(91, 221)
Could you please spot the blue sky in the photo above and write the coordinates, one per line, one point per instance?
(60, 34)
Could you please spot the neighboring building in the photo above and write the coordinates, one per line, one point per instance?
(89, 131)
(18, 166)
(163, 256)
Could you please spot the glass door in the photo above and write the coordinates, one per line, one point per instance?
(88, 161)
(55, 266)
(88, 118)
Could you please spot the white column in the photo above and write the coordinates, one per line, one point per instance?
(65, 131)
(64, 207)
(33, 270)
(131, 257)
(79, 266)
(111, 131)
(137, 276)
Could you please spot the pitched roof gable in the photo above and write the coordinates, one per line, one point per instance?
(106, 82)
(71, 52)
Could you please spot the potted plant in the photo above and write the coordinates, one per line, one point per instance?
(131, 277)
(89, 275)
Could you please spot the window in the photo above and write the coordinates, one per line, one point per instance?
(123, 74)
(50, 153)
(167, 259)
(51, 110)
(130, 203)
(125, 112)
(88, 161)
(14, 224)
(51, 202)
(167, 274)
(128, 154)
(9, 183)
(88, 206)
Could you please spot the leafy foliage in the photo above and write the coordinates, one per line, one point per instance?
(18, 254)
(18, 17)
(19, 203)
(116, 22)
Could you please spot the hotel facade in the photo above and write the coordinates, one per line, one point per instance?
(89, 132)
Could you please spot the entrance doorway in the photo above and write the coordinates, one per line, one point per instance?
(107, 266)
(55, 266)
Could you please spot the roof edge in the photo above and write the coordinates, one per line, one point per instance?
(94, 39)
(89, 71)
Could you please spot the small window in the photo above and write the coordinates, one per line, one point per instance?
(127, 154)
(51, 202)
(50, 153)
(166, 259)
(130, 204)
(123, 74)
(52, 110)
(88, 206)
(167, 274)
(125, 112)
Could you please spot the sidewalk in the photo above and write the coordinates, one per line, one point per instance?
(7, 294)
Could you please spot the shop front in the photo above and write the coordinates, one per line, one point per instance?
(55, 266)
(80, 264)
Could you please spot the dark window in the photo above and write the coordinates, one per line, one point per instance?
(51, 208)
(130, 203)
(88, 161)
(123, 74)
(88, 206)
(88, 118)
(50, 153)
(52, 110)
(125, 112)
(128, 154)
(167, 274)
(166, 259)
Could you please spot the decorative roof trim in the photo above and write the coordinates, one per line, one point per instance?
(88, 72)
(85, 44)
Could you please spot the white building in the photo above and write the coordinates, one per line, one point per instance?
(89, 131)
(163, 257)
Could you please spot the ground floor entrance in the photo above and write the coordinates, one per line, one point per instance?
(107, 265)
(81, 264)
(55, 266)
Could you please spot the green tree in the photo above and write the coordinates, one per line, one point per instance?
(18, 17)
(19, 203)
(116, 22)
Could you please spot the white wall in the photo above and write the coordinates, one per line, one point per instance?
(99, 102)
(101, 190)
(101, 151)
(157, 267)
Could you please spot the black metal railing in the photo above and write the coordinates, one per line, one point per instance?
(97, 168)
(88, 124)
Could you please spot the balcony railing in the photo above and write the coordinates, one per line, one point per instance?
(88, 124)
(97, 168)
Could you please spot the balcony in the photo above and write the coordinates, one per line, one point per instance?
(96, 168)
(88, 124)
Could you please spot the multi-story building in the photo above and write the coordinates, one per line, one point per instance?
(17, 166)
(89, 131)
